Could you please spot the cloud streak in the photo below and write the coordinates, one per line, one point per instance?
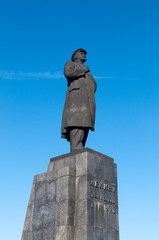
(103, 77)
(20, 75)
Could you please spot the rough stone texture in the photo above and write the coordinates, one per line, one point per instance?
(76, 199)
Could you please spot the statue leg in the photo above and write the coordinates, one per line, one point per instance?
(78, 137)
(86, 130)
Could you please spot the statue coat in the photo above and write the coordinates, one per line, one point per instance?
(79, 109)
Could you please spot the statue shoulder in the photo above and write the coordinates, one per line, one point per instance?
(69, 64)
(69, 69)
(74, 70)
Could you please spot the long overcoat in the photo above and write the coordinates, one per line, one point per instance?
(79, 109)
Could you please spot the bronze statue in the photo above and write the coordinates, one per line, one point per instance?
(79, 109)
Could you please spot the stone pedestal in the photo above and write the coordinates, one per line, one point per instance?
(76, 199)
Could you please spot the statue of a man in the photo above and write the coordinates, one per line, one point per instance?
(79, 109)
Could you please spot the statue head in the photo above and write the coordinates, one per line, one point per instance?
(79, 55)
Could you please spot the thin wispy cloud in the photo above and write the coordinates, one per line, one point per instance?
(20, 75)
(103, 77)
(116, 78)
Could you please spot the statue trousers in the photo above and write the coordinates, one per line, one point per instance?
(78, 137)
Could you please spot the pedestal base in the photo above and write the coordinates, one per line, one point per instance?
(76, 199)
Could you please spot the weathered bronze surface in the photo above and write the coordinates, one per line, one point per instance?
(79, 109)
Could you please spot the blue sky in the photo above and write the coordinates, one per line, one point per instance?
(121, 38)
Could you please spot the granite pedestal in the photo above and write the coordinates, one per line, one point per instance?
(76, 199)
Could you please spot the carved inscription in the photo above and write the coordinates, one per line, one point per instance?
(104, 186)
(99, 195)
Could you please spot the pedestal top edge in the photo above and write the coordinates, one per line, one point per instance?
(81, 151)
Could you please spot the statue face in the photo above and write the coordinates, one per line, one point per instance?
(80, 56)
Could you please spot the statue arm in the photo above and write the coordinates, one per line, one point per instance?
(72, 71)
(93, 80)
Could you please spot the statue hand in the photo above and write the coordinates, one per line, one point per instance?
(86, 68)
